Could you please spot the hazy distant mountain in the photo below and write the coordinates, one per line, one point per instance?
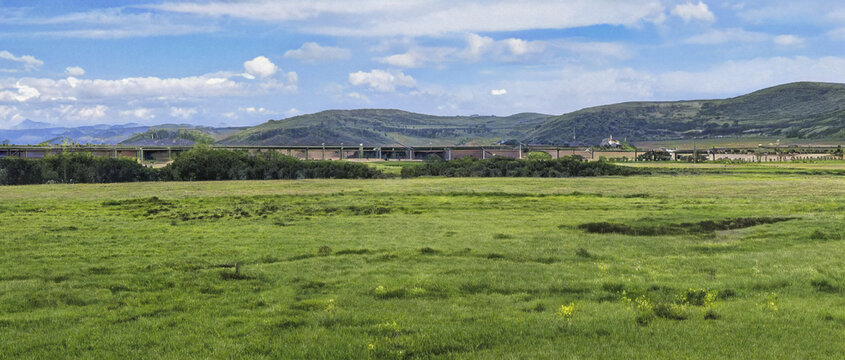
(99, 134)
(29, 124)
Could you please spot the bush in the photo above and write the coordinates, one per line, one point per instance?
(209, 164)
(538, 155)
(505, 167)
(72, 168)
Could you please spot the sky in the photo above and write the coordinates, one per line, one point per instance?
(237, 63)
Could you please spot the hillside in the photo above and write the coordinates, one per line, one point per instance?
(386, 127)
(797, 110)
(178, 135)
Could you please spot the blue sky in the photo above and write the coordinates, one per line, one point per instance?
(244, 62)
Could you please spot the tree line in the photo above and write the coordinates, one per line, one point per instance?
(194, 165)
(203, 163)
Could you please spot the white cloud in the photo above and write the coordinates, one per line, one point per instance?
(22, 93)
(260, 66)
(419, 56)
(381, 80)
(311, 52)
(427, 17)
(788, 40)
(358, 96)
(255, 110)
(140, 113)
(498, 92)
(182, 112)
(29, 62)
(111, 23)
(74, 71)
(82, 113)
(292, 112)
(690, 11)
(837, 34)
(714, 37)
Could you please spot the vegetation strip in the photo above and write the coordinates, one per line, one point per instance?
(701, 227)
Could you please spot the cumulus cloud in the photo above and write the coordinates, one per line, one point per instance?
(714, 37)
(498, 92)
(311, 52)
(21, 93)
(382, 80)
(29, 62)
(260, 66)
(690, 11)
(256, 110)
(358, 96)
(74, 71)
(139, 113)
(182, 112)
(788, 40)
(82, 113)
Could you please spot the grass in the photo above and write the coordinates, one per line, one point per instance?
(425, 268)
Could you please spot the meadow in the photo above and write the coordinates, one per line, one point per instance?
(736, 265)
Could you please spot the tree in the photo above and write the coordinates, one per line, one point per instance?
(538, 155)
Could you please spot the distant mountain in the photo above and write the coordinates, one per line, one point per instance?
(31, 125)
(104, 134)
(386, 127)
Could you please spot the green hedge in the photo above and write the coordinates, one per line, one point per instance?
(210, 164)
(72, 168)
(505, 167)
(193, 165)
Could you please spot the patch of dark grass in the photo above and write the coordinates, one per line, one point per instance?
(701, 227)
(354, 252)
(286, 323)
(711, 314)
(824, 285)
(818, 235)
(324, 251)
(502, 236)
(670, 311)
(99, 270)
(312, 305)
(301, 257)
(429, 251)
(495, 256)
(583, 253)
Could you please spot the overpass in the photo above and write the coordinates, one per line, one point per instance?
(164, 154)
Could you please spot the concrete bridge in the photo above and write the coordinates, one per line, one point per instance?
(165, 154)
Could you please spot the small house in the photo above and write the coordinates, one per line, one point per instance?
(610, 142)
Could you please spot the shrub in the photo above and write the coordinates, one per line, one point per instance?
(538, 155)
(505, 167)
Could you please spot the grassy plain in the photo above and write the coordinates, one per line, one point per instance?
(422, 268)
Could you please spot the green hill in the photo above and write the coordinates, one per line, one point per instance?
(178, 135)
(386, 127)
(797, 110)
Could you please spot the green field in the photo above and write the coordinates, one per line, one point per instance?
(426, 268)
